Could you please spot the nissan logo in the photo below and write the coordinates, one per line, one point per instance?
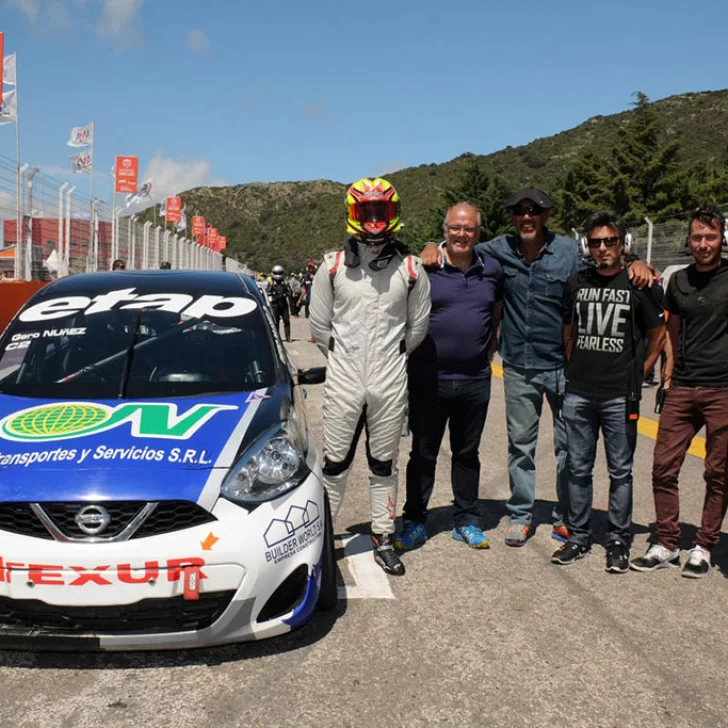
(93, 520)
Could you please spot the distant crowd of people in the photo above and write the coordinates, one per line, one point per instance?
(578, 324)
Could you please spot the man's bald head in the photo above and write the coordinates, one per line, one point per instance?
(458, 207)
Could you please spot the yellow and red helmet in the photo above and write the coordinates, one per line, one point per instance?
(372, 210)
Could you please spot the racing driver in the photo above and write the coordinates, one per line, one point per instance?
(370, 306)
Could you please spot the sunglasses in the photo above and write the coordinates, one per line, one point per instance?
(597, 242)
(532, 210)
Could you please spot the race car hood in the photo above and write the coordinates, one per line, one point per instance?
(52, 450)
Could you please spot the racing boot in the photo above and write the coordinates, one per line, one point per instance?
(385, 555)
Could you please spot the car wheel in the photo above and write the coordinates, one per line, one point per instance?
(329, 594)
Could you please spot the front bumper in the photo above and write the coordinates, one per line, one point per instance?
(199, 587)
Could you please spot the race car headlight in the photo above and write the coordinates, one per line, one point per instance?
(272, 466)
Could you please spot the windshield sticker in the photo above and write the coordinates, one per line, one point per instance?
(63, 421)
(22, 341)
(126, 299)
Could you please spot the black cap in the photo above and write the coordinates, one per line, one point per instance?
(530, 193)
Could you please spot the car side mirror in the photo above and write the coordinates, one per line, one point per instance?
(312, 375)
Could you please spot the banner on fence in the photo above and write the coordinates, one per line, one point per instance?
(174, 209)
(198, 226)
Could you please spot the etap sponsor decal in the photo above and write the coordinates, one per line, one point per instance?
(184, 304)
(287, 536)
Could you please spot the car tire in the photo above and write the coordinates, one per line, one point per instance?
(329, 593)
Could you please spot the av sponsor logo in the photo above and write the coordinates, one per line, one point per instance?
(66, 420)
(287, 536)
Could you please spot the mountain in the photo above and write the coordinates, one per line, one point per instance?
(288, 222)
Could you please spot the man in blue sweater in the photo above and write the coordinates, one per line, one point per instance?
(449, 378)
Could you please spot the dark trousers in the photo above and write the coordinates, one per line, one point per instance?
(463, 403)
(685, 411)
(280, 311)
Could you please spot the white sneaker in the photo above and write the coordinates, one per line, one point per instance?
(657, 557)
(698, 564)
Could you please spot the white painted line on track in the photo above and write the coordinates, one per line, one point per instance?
(370, 581)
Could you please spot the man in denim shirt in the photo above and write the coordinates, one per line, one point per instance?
(536, 263)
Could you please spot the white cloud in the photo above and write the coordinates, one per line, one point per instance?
(197, 41)
(29, 8)
(114, 20)
(172, 176)
(382, 170)
(119, 21)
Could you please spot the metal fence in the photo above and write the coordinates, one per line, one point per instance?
(62, 232)
(664, 246)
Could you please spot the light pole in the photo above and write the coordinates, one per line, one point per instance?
(157, 244)
(59, 246)
(28, 257)
(19, 224)
(67, 245)
(650, 229)
(95, 232)
(132, 242)
(145, 245)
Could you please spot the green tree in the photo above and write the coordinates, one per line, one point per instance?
(582, 190)
(708, 183)
(486, 190)
(644, 174)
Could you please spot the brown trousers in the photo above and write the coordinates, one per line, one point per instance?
(685, 411)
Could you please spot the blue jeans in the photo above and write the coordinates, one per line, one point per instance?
(584, 417)
(524, 391)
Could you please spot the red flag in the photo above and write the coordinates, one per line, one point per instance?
(174, 209)
(127, 173)
(198, 226)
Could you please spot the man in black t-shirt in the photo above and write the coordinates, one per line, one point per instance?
(696, 380)
(605, 320)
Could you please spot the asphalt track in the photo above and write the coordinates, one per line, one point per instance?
(467, 638)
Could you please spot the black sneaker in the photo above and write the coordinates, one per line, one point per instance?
(657, 557)
(385, 555)
(569, 553)
(698, 564)
(617, 558)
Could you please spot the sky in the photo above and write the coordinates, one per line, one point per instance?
(232, 91)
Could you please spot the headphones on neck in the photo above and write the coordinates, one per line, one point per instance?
(627, 245)
(714, 214)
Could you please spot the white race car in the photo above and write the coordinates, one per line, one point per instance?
(158, 484)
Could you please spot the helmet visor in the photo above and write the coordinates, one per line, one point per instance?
(374, 213)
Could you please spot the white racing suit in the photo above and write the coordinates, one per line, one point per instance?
(366, 322)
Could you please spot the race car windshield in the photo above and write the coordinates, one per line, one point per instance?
(142, 353)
